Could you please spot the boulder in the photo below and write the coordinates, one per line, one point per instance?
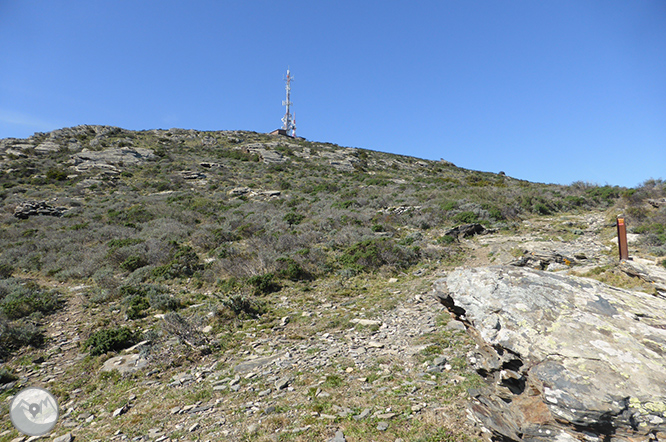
(125, 363)
(565, 358)
(465, 230)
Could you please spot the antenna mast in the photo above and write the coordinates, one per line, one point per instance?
(288, 121)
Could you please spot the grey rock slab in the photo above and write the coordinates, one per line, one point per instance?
(648, 271)
(105, 159)
(252, 364)
(47, 146)
(64, 438)
(563, 352)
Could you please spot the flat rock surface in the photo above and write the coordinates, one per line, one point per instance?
(564, 355)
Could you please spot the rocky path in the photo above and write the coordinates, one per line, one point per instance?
(386, 370)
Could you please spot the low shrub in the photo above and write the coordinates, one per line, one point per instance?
(240, 306)
(56, 175)
(371, 254)
(264, 284)
(293, 218)
(19, 299)
(14, 336)
(6, 376)
(113, 339)
(466, 217)
(6, 271)
(290, 269)
(183, 263)
(133, 262)
(136, 307)
(445, 239)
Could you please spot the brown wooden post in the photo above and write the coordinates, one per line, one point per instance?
(622, 238)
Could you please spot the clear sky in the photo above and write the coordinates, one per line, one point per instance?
(548, 91)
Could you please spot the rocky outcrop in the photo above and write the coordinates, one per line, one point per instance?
(566, 358)
(648, 271)
(35, 208)
(657, 203)
(465, 230)
(110, 158)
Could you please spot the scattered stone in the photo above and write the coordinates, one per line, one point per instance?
(385, 416)
(382, 426)
(120, 411)
(365, 413)
(194, 427)
(375, 344)
(339, 437)
(282, 383)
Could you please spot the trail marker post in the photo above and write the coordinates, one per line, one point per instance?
(622, 238)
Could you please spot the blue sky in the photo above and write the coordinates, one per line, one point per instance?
(548, 91)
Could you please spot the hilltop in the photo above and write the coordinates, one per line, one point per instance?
(210, 285)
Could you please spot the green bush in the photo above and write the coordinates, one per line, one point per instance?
(241, 306)
(137, 306)
(466, 217)
(293, 218)
(133, 262)
(6, 376)
(446, 239)
(264, 284)
(371, 254)
(6, 271)
(113, 339)
(290, 269)
(56, 175)
(20, 299)
(541, 209)
(14, 336)
(184, 263)
(164, 302)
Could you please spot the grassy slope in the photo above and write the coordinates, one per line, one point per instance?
(147, 241)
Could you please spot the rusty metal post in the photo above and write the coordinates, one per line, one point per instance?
(622, 238)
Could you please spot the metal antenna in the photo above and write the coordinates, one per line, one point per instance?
(288, 121)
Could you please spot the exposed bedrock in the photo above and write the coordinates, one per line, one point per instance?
(566, 358)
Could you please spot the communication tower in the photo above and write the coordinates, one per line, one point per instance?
(288, 121)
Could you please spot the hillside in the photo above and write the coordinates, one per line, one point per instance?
(269, 288)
